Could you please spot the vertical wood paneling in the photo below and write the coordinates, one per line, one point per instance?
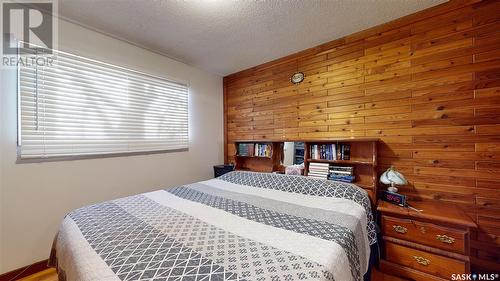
(427, 85)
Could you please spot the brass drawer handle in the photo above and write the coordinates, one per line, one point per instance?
(422, 260)
(445, 239)
(400, 229)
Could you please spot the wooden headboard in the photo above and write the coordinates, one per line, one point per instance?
(363, 157)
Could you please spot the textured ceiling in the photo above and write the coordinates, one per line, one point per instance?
(226, 36)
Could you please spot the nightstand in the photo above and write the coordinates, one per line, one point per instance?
(219, 170)
(428, 245)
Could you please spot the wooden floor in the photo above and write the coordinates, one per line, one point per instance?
(51, 275)
(46, 275)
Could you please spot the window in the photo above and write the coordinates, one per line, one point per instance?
(79, 107)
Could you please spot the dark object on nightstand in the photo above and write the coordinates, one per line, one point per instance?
(428, 245)
(219, 170)
(394, 198)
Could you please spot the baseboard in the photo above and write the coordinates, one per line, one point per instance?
(24, 271)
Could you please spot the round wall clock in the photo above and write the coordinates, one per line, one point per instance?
(297, 77)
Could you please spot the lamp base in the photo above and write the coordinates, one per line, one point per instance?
(392, 189)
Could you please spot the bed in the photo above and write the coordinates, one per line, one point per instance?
(240, 226)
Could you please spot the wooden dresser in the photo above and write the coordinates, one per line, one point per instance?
(428, 245)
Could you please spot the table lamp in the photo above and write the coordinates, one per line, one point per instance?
(393, 177)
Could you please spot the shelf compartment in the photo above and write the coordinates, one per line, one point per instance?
(352, 162)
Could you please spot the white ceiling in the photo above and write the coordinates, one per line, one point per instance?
(226, 36)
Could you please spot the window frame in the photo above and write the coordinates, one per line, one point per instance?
(97, 155)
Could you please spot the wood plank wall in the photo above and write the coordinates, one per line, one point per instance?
(428, 85)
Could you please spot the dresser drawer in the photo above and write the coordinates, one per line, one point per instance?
(425, 233)
(407, 273)
(423, 261)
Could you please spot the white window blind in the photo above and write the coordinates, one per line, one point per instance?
(79, 106)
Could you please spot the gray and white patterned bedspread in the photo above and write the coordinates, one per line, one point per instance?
(240, 226)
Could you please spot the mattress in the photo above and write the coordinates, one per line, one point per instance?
(240, 226)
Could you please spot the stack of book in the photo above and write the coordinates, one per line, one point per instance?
(318, 170)
(332, 151)
(263, 150)
(340, 173)
(246, 149)
(255, 149)
(324, 151)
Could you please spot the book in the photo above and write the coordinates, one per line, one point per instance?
(318, 177)
(318, 174)
(341, 173)
(267, 151)
(326, 170)
(341, 170)
(319, 170)
(338, 151)
(319, 165)
(346, 152)
(254, 149)
(246, 149)
(323, 151)
(342, 178)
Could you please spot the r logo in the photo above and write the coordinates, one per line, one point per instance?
(30, 22)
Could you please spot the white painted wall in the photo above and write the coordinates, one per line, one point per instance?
(1, 170)
(35, 197)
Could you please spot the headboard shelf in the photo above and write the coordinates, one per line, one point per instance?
(362, 156)
(265, 159)
(352, 162)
